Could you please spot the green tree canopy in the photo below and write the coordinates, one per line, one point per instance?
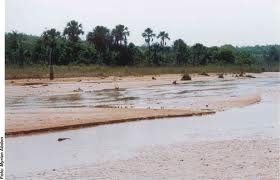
(181, 51)
(199, 54)
(73, 30)
(120, 34)
(163, 36)
(100, 37)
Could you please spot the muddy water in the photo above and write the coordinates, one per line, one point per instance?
(38, 153)
(166, 96)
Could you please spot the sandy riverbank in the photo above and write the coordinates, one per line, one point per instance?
(232, 159)
(52, 119)
(20, 120)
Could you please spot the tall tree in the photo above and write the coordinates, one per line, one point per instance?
(73, 30)
(227, 53)
(148, 35)
(163, 36)
(14, 48)
(100, 37)
(213, 54)
(120, 34)
(50, 38)
(199, 54)
(181, 51)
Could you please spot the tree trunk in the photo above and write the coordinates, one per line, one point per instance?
(51, 65)
(149, 55)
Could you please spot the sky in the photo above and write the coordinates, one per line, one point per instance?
(211, 22)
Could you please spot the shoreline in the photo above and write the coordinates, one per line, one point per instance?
(226, 159)
(48, 125)
(53, 119)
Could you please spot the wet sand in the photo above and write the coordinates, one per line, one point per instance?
(238, 143)
(51, 119)
(71, 91)
(233, 159)
(236, 159)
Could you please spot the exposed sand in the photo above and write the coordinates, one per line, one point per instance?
(35, 87)
(27, 121)
(233, 159)
(51, 119)
(254, 158)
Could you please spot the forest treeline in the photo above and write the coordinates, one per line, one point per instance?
(110, 47)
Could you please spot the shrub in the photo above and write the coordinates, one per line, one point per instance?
(221, 76)
(204, 74)
(250, 76)
(186, 77)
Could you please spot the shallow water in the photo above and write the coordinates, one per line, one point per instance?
(167, 96)
(36, 153)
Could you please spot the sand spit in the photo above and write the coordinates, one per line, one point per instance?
(232, 159)
(51, 119)
(21, 121)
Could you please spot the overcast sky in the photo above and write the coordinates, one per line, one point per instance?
(211, 22)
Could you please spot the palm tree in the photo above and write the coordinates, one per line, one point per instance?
(163, 36)
(50, 38)
(148, 35)
(72, 31)
(120, 34)
(100, 37)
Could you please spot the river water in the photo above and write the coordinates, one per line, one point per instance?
(168, 96)
(42, 152)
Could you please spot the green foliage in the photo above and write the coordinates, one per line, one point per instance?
(244, 58)
(199, 54)
(111, 47)
(163, 36)
(100, 37)
(73, 30)
(120, 34)
(181, 52)
(226, 55)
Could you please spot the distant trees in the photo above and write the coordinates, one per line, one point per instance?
(163, 36)
(199, 54)
(213, 54)
(14, 48)
(244, 58)
(181, 52)
(73, 30)
(120, 34)
(50, 38)
(100, 37)
(226, 55)
(148, 36)
(111, 47)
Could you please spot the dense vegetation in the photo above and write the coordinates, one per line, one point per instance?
(110, 47)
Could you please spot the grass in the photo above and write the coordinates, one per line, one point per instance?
(42, 71)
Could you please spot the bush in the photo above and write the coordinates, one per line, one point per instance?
(204, 74)
(186, 77)
(241, 74)
(250, 76)
(221, 76)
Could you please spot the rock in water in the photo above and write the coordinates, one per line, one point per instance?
(62, 139)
